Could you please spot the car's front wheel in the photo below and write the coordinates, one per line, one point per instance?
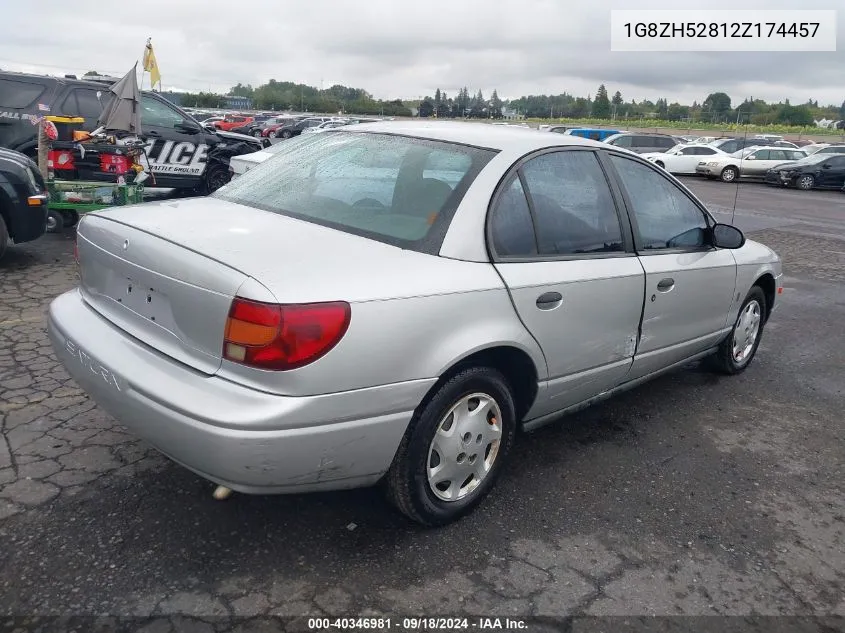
(454, 448)
(805, 182)
(729, 174)
(737, 351)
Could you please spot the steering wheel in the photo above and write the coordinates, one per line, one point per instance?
(371, 204)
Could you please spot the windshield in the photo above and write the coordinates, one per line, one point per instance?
(395, 189)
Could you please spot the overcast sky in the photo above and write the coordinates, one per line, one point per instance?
(400, 49)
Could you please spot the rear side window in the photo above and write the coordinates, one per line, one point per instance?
(623, 141)
(511, 227)
(573, 208)
(379, 186)
(662, 141)
(84, 103)
(19, 94)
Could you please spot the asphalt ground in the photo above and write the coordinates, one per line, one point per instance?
(693, 495)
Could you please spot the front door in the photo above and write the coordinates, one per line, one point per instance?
(573, 277)
(833, 172)
(177, 150)
(689, 285)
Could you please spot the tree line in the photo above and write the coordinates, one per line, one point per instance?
(717, 107)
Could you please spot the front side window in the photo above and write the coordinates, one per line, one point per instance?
(760, 154)
(665, 216)
(154, 113)
(374, 185)
(623, 141)
(573, 207)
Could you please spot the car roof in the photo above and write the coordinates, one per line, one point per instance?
(496, 137)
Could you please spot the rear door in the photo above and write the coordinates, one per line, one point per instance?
(689, 285)
(566, 257)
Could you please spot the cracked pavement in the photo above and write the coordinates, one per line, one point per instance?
(695, 494)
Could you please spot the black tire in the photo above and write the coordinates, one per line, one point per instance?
(256, 133)
(805, 182)
(286, 133)
(274, 134)
(406, 482)
(729, 174)
(70, 218)
(4, 237)
(217, 176)
(55, 222)
(724, 361)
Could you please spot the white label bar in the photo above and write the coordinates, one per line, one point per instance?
(722, 30)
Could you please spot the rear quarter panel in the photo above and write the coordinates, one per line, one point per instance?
(418, 335)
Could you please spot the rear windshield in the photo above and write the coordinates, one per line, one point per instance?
(18, 94)
(394, 189)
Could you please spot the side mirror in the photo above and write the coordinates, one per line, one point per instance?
(727, 236)
(826, 166)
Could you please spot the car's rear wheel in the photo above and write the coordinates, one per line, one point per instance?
(737, 351)
(256, 133)
(286, 134)
(454, 448)
(729, 174)
(805, 182)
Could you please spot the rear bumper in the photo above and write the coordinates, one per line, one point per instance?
(245, 439)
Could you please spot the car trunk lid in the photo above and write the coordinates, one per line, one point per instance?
(168, 296)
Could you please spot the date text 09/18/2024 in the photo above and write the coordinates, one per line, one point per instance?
(417, 624)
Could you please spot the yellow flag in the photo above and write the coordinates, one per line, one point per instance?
(151, 65)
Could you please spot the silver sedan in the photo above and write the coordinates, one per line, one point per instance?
(391, 302)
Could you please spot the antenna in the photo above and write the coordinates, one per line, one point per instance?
(741, 158)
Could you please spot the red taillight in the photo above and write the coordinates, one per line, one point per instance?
(279, 337)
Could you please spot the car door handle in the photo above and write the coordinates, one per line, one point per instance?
(665, 285)
(549, 300)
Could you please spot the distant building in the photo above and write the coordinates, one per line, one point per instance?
(234, 102)
(511, 114)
